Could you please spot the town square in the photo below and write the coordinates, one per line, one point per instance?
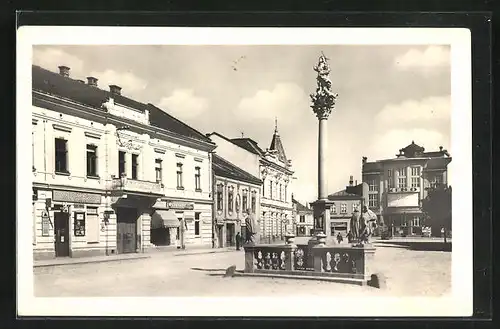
(247, 171)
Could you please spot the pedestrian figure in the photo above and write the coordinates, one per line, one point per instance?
(339, 238)
(238, 240)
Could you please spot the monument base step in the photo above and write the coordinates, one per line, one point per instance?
(360, 282)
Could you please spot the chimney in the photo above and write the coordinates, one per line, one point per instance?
(115, 90)
(350, 180)
(364, 160)
(64, 71)
(91, 81)
(440, 149)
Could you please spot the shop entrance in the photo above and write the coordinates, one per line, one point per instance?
(230, 234)
(61, 232)
(126, 230)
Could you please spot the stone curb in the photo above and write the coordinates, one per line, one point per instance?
(89, 261)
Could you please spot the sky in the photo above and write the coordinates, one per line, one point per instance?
(388, 97)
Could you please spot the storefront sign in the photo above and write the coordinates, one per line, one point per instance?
(79, 224)
(77, 197)
(402, 200)
(180, 205)
(45, 223)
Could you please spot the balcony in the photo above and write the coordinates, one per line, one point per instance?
(134, 186)
(404, 189)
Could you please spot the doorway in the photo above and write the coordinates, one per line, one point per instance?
(230, 233)
(61, 232)
(126, 230)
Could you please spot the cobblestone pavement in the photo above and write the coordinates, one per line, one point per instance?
(408, 273)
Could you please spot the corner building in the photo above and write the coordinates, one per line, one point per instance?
(396, 186)
(108, 171)
(273, 168)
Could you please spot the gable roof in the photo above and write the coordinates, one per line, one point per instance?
(224, 168)
(248, 144)
(80, 92)
(343, 195)
(300, 206)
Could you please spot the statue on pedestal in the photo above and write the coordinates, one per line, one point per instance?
(324, 98)
(251, 229)
(362, 226)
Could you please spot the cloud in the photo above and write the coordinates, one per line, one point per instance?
(129, 82)
(430, 58)
(50, 58)
(285, 100)
(427, 109)
(184, 104)
(387, 145)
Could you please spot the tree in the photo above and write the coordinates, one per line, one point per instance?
(437, 209)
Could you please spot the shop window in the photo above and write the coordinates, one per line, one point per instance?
(91, 160)
(93, 225)
(61, 155)
(79, 224)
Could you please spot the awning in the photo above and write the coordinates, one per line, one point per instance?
(164, 218)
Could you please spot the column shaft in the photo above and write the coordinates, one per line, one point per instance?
(322, 159)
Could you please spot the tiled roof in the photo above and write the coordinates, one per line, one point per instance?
(342, 194)
(372, 167)
(437, 163)
(226, 169)
(300, 206)
(80, 92)
(161, 119)
(248, 144)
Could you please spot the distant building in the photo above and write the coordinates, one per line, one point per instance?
(345, 202)
(396, 186)
(273, 168)
(304, 219)
(236, 191)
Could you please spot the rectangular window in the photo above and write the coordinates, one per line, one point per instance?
(254, 202)
(197, 178)
(415, 176)
(415, 171)
(302, 218)
(415, 221)
(334, 209)
(402, 172)
(343, 208)
(372, 185)
(197, 223)
(158, 163)
(135, 166)
(244, 200)
(355, 206)
(219, 197)
(179, 176)
(415, 182)
(280, 194)
(230, 199)
(121, 164)
(401, 182)
(61, 155)
(91, 160)
(390, 180)
(286, 198)
(270, 189)
(372, 200)
(93, 225)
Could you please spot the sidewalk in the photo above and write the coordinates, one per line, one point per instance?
(85, 260)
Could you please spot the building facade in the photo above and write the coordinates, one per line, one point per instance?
(396, 186)
(104, 165)
(345, 202)
(237, 195)
(304, 219)
(273, 168)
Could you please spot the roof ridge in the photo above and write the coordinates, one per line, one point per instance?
(236, 167)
